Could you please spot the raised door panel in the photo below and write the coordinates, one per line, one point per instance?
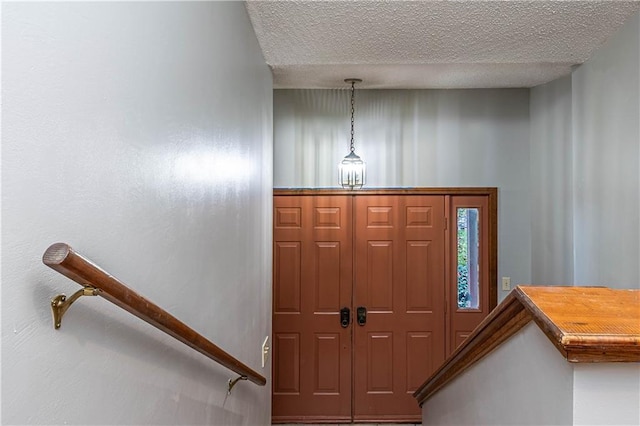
(327, 277)
(420, 359)
(379, 264)
(287, 280)
(419, 292)
(287, 363)
(326, 366)
(380, 363)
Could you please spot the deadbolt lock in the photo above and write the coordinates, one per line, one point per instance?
(345, 317)
(361, 314)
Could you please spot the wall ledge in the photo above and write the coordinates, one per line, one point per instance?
(585, 324)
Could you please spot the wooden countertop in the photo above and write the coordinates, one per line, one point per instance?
(585, 324)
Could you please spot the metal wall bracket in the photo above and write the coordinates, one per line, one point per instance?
(60, 303)
(233, 382)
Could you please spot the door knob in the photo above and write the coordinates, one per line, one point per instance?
(361, 314)
(345, 317)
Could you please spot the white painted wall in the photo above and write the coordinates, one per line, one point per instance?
(551, 184)
(525, 381)
(606, 160)
(429, 138)
(606, 394)
(585, 158)
(141, 134)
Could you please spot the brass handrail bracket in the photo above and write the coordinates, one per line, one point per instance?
(60, 303)
(233, 382)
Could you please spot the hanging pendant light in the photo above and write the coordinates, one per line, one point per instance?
(352, 168)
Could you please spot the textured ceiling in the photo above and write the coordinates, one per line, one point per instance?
(431, 43)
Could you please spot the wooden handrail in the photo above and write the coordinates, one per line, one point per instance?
(62, 258)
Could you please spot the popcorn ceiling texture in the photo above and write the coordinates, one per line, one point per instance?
(431, 44)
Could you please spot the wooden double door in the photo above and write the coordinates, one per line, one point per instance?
(359, 305)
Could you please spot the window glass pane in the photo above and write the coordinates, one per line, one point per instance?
(468, 250)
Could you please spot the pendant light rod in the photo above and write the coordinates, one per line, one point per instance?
(353, 82)
(352, 168)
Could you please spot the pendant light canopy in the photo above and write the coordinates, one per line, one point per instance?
(352, 169)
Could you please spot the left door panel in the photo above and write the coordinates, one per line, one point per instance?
(312, 282)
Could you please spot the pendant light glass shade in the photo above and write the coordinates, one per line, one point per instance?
(352, 169)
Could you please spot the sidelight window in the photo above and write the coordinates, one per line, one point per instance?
(467, 257)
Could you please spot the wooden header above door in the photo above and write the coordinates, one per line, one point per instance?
(491, 191)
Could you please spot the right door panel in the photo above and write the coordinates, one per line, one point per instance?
(399, 278)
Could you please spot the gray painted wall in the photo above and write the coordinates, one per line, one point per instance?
(551, 184)
(527, 381)
(141, 134)
(606, 150)
(606, 394)
(585, 158)
(429, 138)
